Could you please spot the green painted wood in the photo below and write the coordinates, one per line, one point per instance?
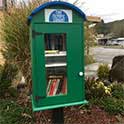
(35, 108)
(75, 64)
(75, 61)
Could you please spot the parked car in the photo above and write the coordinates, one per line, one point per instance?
(112, 42)
(121, 42)
(118, 41)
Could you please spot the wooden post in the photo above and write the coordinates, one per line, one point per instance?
(58, 116)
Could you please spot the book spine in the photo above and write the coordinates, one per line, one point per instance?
(48, 86)
(64, 87)
(60, 86)
(52, 87)
(56, 87)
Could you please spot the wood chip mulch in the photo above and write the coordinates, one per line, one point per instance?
(76, 115)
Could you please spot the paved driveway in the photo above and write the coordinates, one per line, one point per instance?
(105, 55)
(101, 55)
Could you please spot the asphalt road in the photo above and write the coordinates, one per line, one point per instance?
(101, 55)
(105, 55)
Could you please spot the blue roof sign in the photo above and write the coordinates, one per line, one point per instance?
(58, 16)
(48, 4)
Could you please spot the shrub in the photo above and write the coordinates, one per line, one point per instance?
(1, 69)
(117, 90)
(12, 113)
(12, 92)
(110, 98)
(96, 89)
(7, 75)
(113, 105)
(15, 34)
(103, 71)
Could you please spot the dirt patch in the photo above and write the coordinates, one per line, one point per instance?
(76, 115)
(93, 116)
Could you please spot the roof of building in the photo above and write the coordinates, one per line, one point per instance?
(94, 19)
(54, 3)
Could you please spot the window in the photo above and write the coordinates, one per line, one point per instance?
(56, 65)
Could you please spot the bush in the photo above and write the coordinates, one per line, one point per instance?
(8, 73)
(110, 98)
(113, 105)
(1, 69)
(96, 89)
(103, 71)
(117, 90)
(15, 34)
(12, 113)
(13, 92)
(110, 104)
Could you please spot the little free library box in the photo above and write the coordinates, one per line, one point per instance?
(57, 51)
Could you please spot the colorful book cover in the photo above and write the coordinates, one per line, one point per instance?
(56, 87)
(60, 86)
(48, 86)
(52, 87)
(64, 87)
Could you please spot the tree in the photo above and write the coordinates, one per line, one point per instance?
(102, 28)
(118, 29)
(90, 37)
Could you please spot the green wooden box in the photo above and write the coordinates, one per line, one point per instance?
(57, 51)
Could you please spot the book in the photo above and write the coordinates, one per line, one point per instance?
(60, 86)
(51, 51)
(48, 86)
(52, 87)
(56, 87)
(64, 86)
(57, 84)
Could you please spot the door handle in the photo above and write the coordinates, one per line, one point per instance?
(81, 73)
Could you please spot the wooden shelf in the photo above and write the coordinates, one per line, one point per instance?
(56, 54)
(55, 65)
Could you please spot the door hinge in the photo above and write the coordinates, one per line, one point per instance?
(34, 33)
(37, 98)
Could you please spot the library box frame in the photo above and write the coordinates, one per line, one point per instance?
(57, 52)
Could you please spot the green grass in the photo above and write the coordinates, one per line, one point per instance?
(12, 113)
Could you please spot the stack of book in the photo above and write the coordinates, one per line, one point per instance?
(56, 85)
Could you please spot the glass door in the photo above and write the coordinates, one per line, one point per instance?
(55, 63)
(59, 62)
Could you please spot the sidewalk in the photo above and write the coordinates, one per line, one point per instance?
(91, 70)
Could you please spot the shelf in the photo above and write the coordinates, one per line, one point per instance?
(56, 54)
(55, 65)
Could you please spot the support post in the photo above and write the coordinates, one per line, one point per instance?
(58, 116)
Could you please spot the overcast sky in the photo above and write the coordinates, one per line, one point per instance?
(108, 10)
